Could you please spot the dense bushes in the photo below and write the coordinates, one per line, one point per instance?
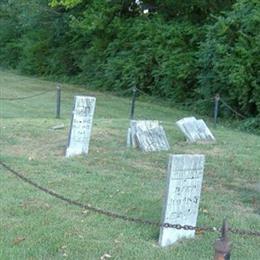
(229, 58)
(157, 57)
(9, 34)
(182, 50)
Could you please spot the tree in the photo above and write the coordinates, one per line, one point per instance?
(229, 57)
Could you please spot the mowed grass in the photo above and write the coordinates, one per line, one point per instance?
(35, 225)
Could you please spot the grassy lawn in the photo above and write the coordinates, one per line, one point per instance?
(37, 226)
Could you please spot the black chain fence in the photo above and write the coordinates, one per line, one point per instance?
(197, 102)
(26, 97)
(225, 104)
(137, 90)
(124, 217)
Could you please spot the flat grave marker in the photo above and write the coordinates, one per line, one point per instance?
(195, 130)
(181, 204)
(81, 125)
(147, 135)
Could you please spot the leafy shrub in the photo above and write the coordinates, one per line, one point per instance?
(9, 35)
(229, 58)
(114, 45)
(251, 125)
(155, 56)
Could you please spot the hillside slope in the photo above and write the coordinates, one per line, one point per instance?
(35, 225)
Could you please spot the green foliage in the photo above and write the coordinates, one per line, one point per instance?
(9, 35)
(115, 178)
(157, 57)
(251, 125)
(67, 3)
(175, 51)
(196, 10)
(229, 58)
(36, 41)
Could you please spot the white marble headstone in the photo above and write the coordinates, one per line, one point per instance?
(147, 135)
(195, 130)
(81, 125)
(184, 181)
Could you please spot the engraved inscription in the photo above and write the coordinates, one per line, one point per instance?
(147, 135)
(195, 130)
(81, 125)
(185, 173)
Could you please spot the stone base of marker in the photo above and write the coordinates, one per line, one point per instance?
(147, 135)
(181, 204)
(195, 130)
(81, 125)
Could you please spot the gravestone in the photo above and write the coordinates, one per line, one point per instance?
(181, 204)
(195, 130)
(81, 125)
(147, 135)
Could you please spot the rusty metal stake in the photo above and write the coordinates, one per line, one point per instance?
(223, 245)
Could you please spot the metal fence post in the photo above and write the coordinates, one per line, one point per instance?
(223, 245)
(132, 114)
(216, 108)
(58, 96)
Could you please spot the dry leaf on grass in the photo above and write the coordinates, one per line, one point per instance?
(199, 232)
(205, 211)
(18, 240)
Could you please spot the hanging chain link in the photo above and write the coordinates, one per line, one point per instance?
(231, 109)
(244, 232)
(198, 229)
(26, 97)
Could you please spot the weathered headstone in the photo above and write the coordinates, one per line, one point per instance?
(184, 181)
(195, 130)
(81, 125)
(147, 135)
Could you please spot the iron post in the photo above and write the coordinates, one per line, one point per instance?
(58, 96)
(223, 245)
(132, 115)
(216, 109)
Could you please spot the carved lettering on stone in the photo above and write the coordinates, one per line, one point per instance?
(184, 181)
(147, 135)
(81, 125)
(195, 130)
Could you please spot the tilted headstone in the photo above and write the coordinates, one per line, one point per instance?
(81, 125)
(195, 130)
(147, 135)
(181, 204)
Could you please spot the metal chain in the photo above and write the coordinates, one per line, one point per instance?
(231, 109)
(124, 217)
(76, 203)
(18, 98)
(244, 232)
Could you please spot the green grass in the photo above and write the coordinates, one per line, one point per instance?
(37, 226)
